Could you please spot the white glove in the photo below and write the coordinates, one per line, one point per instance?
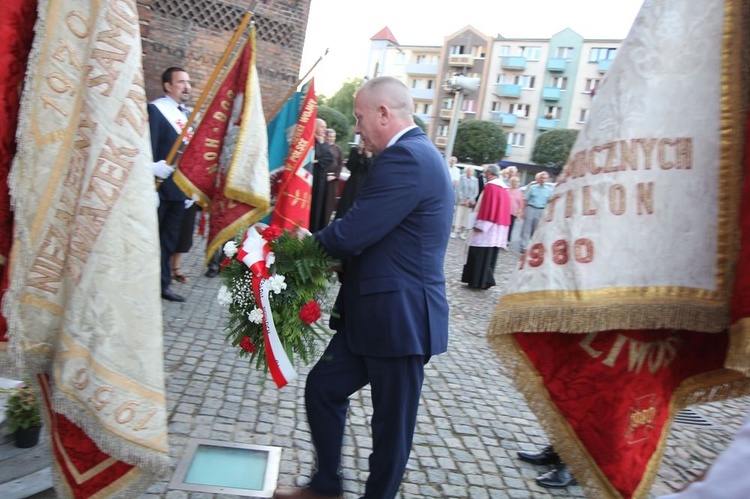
(156, 199)
(162, 169)
(190, 202)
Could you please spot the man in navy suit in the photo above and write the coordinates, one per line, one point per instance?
(167, 116)
(392, 307)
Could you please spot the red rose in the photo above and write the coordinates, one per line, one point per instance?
(225, 263)
(271, 232)
(247, 345)
(310, 312)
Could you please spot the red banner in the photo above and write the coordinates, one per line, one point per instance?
(225, 165)
(16, 35)
(292, 208)
(83, 469)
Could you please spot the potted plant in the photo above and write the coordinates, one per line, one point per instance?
(24, 419)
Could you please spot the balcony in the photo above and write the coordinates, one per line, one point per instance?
(556, 64)
(504, 119)
(551, 93)
(447, 114)
(426, 118)
(441, 141)
(546, 123)
(422, 93)
(422, 69)
(462, 60)
(513, 63)
(603, 65)
(507, 90)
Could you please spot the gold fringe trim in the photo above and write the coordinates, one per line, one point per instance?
(709, 387)
(591, 319)
(738, 353)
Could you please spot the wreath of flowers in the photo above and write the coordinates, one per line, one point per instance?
(298, 273)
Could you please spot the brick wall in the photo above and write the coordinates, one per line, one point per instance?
(193, 34)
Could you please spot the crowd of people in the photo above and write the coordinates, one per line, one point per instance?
(487, 201)
(487, 206)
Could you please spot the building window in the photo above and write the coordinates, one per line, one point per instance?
(415, 83)
(430, 84)
(497, 106)
(584, 116)
(552, 112)
(591, 85)
(447, 104)
(478, 51)
(560, 82)
(526, 81)
(470, 106)
(442, 131)
(531, 53)
(400, 58)
(456, 50)
(516, 139)
(421, 59)
(428, 109)
(602, 54)
(500, 78)
(504, 50)
(564, 53)
(520, 110)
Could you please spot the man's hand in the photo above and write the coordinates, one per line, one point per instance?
(303, 233)
(161, 169)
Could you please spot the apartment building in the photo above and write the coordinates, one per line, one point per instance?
(464, 53)
(528, 85)
(537, 85)
(416, 66)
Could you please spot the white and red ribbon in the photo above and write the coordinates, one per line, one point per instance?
(257, 255)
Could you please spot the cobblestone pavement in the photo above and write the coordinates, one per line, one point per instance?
(471, 421)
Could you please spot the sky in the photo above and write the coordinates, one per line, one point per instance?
(345, 27)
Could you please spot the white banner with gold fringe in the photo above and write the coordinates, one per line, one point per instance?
(83, 304)
(613, 231)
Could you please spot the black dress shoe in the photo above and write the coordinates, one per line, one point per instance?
(212, 273)
(546, 456)
(557, 478)
(170, 295)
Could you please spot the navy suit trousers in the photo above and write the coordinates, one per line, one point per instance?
(395, 382)
(170, 222)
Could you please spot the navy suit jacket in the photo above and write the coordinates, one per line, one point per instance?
(392, 244)
(163, 136)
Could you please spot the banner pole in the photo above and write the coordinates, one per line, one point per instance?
(294, 88)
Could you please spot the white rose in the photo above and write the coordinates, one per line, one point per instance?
(225, 296)
(230, 249)
(256, 316)
(277, 283)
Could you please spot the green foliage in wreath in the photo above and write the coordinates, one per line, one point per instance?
(300, 278)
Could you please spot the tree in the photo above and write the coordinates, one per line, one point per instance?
(418, 121)
(338, 122)
(553, 147)
(343, 100)
(479, 142)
